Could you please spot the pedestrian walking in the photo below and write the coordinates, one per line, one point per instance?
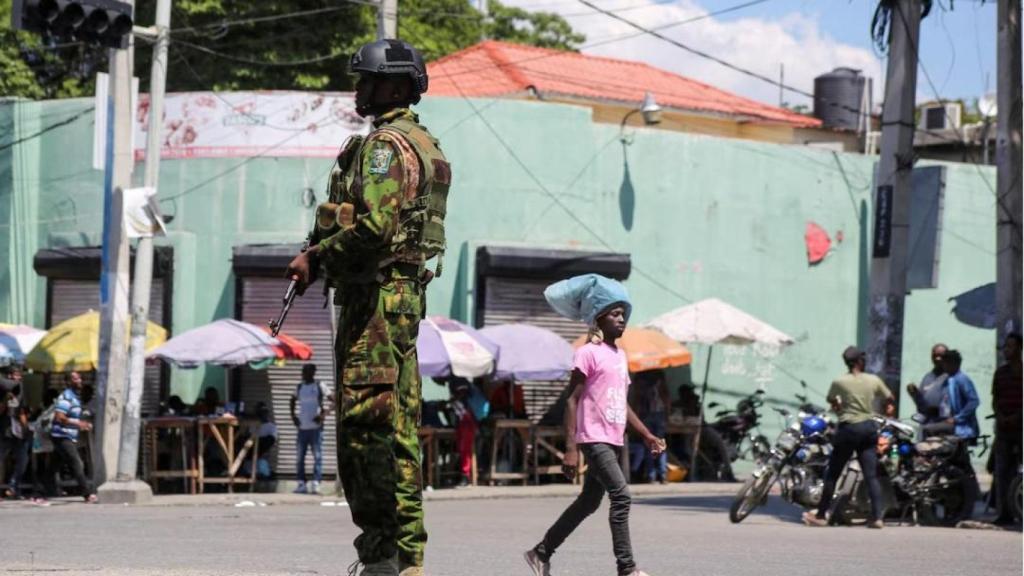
(383, 221)
(65, 428)
(309, 407)
(853, 396)
(596, 416)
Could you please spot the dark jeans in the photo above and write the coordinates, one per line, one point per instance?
(604, 474)
(850, 439)
(1007, 452)
(65, 451)
(311, 440)
(22, 449)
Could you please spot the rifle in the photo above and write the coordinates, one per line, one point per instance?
(346, 156)
(289, 294)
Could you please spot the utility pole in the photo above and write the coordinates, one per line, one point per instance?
(126, 487)
(387, 19)
(114, 279)
(1008, 159)
(892, 199)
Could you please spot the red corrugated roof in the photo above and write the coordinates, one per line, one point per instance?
(493, 68)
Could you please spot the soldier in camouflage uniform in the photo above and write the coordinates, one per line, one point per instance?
(383, 221)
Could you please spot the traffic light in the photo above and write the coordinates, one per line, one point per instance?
(104, 22)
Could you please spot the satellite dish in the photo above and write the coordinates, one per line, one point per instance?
(987, 105)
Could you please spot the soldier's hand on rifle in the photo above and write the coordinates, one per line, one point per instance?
(303, 267)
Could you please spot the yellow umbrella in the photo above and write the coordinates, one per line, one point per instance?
(74, 344)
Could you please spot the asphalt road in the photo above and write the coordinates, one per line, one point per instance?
(672, 535)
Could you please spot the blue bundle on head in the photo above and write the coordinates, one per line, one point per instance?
(586, 297)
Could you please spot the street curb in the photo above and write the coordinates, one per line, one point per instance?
(247, 500)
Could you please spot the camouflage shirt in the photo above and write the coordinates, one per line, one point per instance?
(385, 176)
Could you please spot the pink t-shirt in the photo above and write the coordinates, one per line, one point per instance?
(601, 412)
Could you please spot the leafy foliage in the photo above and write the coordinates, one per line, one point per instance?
(237, 45)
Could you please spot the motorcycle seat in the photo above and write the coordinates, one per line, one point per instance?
(937, 446)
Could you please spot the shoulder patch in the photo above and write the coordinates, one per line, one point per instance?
(380, 159)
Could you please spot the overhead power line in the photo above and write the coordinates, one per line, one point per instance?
(49, 128)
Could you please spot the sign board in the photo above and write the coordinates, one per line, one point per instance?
(883, 222)
(928, 188)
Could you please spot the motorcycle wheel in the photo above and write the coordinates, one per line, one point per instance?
(752, 494)
(840, 511)
(950, 504)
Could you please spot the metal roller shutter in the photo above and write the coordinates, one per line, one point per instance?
(69, 298)
(509, 300)
(310, 322)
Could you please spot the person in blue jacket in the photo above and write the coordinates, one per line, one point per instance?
(959, 406)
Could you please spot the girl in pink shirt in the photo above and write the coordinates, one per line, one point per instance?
(596, 415)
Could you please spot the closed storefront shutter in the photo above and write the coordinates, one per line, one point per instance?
(310, 322)
(69, 298)
(509, 300)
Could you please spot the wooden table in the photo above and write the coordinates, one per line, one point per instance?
(431, 439)
(689, 427)
(184, 428)
(223, 429)
(501, 429)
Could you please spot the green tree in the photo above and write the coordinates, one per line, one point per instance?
(544, 29)
(247, 45)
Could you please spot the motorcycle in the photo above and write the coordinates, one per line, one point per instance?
(732, 435)
(797, 462)
(931, 480)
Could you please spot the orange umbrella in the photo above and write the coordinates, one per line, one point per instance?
(648, 350)
(290, 348)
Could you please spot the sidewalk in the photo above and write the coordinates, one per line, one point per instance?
(245, 499)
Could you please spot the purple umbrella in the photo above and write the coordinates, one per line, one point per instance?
(449, 348)
(529, 352)
(226, 342)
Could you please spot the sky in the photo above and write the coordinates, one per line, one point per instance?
(806, 37)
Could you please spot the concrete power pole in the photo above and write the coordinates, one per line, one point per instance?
(1008, 158)
(892, 198)
(114, 280)
(387, 19)
(126, 487)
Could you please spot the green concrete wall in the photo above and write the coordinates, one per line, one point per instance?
(700, 216)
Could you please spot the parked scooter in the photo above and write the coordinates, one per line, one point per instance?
(930, 482)
(797, 462)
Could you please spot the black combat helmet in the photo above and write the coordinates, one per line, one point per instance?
(392, 58)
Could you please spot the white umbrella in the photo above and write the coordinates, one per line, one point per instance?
(713, 322)
(16, 340)
(225, 342)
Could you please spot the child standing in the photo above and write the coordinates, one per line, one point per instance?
(595, 419)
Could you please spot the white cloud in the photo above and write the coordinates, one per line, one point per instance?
(794, 40)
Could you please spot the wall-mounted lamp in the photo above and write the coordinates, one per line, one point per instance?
(649, 109)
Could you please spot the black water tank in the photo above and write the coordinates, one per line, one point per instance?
(837, 98)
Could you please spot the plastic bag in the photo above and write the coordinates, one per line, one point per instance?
(585, 297)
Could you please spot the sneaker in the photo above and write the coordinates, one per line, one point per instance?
(300, 489)
(314, 487)
(42, 502)
(91, 499)
(539, 566)
(638, 573)
(876, 524)
(811, 519)
(463, 483)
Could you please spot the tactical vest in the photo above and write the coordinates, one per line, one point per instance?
(420, 234)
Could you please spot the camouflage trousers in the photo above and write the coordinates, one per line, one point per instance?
(379, 417)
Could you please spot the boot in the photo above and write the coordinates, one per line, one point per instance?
(387, 567)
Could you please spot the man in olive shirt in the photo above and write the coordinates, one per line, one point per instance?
(853, 397)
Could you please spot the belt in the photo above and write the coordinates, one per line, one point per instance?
(410, 269)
